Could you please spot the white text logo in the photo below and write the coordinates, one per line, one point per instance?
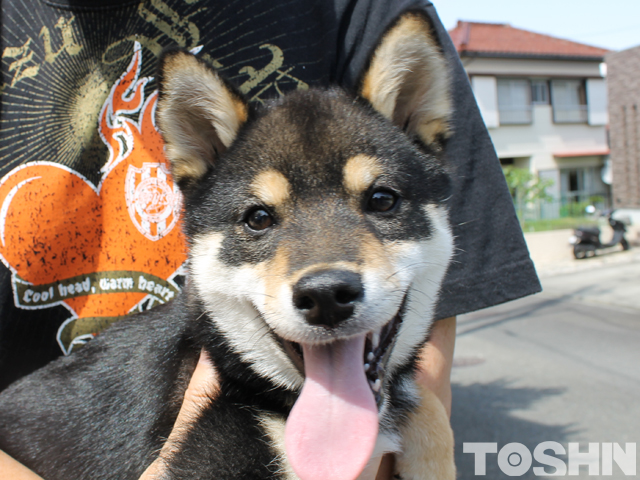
(515, 459)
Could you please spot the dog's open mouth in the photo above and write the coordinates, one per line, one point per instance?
(377, 350)
(333, 426)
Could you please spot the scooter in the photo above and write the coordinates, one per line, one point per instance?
(586, 240)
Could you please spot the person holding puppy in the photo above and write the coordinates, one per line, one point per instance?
(278, 49)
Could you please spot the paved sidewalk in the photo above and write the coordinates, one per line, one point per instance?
(610, 281)
(571, 265)
(552, 254)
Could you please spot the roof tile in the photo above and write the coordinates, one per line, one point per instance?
(499, 38)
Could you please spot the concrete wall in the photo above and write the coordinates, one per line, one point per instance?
(542, 138)
(531, 67)
(549, 248)
(624, 105)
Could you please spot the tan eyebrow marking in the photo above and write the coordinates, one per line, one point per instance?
(271, 187)
(359, 173)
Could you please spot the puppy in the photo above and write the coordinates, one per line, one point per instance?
(318, 241)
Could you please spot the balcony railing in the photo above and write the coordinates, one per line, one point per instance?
(515, 115)
(570, 114)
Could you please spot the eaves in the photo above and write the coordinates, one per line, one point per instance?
(531, 56)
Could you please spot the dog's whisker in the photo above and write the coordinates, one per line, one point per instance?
(250, 321)
(249, 293)
(414, 266)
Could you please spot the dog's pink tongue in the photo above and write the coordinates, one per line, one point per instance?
(332, 428)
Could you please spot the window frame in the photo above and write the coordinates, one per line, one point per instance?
(547, 91)
(575, 113)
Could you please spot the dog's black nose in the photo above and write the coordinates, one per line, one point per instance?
(328, 297)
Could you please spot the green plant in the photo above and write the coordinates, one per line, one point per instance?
(525, 187)
(557, 224)
(575, 209)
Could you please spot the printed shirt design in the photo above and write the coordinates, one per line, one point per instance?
(101, 250)
(89, 214)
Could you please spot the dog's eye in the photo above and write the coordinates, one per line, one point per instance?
(259, 219)
(382, 201)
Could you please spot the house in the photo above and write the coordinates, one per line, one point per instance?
(544, 101)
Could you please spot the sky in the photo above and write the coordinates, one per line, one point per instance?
(611, 24)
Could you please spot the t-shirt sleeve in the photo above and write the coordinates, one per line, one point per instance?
(491, 264)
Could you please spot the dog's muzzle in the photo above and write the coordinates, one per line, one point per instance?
(377, 351)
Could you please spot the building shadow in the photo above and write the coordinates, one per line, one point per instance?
(484, 412)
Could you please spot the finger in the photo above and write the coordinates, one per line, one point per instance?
(385, 471)
(203, 388)
(11, 469)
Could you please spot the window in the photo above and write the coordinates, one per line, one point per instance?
(514, 101)
(581, 184)
(576, 181)
(572, 184)
(539, 92)
(569, 100)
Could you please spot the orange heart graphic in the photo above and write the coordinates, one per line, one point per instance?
(98, 250)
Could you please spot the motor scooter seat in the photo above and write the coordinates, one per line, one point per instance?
(590, 230)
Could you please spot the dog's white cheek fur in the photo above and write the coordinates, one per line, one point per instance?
(231, 295)
(274, 427)
(423, 265)
(427, 265)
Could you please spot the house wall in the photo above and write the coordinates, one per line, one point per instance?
(541, 139)
(624, 104)
(531, 67)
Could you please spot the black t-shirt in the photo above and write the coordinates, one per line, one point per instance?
(88, 212)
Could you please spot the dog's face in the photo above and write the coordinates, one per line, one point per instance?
(317, 223)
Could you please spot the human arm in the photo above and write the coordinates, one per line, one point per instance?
(436, 361)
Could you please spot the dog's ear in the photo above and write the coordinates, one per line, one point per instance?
(198, 114)
(408, 80)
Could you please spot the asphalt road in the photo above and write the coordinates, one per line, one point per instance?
(561, 366)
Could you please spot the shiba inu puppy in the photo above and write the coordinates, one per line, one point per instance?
(318, 241)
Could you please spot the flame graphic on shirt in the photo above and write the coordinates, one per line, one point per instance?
(98, 250)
